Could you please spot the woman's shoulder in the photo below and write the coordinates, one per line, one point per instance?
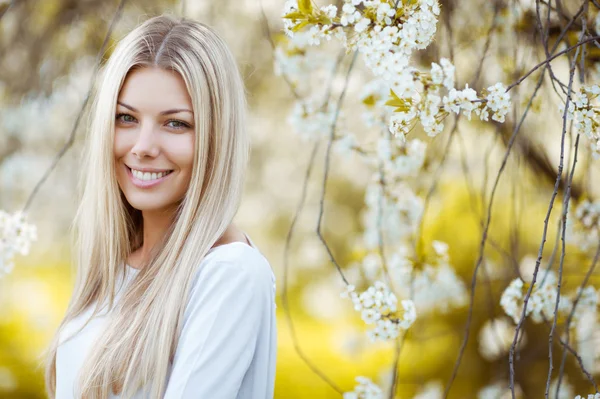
(235, 261)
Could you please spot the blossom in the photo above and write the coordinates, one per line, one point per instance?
(583, 225)
(387, 38)
(297, 60)
(496, 337)
(400, 123)
(498, 101)
(16, 236)
(542, 301)
(461, 99)
(435, 285)
(443, 74)
(584, 114)
(311, 120)
(288, 24)
(587, 335)
(431, 390)
(499, 390)
(365, 389)
(566, 390)
(395, 212)
(378, 306)
(330, 11)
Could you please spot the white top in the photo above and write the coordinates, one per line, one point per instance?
(228, 344)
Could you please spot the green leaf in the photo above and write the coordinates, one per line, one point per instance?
(295, 15)
(401, 105)
(300, 26)
(305, 6)
(369, 101)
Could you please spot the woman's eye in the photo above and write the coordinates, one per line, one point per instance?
(173, 123)
(178, 124)
(123, 116)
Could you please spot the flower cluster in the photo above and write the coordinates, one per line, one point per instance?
(499, 390)
(312, 121)
(432, 280)
(373, 96)
(431, 390)
(583, 225)
(585, 115)
(542, 301)
(378, 305)
(587, 335)
(394, 211)
(365, 389)
(387, 35)
(590, 396)
(297, 60)
(430, 106)
(400, 159)
(16, 237)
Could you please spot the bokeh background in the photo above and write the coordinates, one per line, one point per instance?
(48, 52)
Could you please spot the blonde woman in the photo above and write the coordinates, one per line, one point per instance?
(171, 299)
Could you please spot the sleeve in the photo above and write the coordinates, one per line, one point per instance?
(220, 330)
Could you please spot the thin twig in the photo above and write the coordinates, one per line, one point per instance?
(71, 138)
(541, 248)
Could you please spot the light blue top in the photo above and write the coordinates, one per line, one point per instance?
(228, 344)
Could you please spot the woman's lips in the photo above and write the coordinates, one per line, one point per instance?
(146, 183)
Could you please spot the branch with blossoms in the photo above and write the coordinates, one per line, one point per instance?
(402, 99)
(16, 233)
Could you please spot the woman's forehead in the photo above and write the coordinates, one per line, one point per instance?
(155, 89)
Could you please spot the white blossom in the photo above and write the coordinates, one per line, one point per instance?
(379, 306)
(435, 285)
(498, 101)
(395, 212)
(401, 123)
(584, 113)
(431, 390)
(499, 390)
(587, 338)
(16, 236)
(288, 7)
(461, 99)
(542, 301)
(566, 389)
(330, 11)
(496, 337)
(311, 120)
(365, 389)
(583, 225)
(443, 74)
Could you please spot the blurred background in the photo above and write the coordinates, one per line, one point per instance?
(48, 52)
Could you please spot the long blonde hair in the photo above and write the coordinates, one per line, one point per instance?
(142, 333)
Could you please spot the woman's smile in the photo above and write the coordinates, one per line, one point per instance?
(144, 178)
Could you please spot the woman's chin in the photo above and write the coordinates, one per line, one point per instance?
(148, 204)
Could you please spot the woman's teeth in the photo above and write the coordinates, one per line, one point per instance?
(147, 176)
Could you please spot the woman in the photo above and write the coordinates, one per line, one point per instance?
(187, 298)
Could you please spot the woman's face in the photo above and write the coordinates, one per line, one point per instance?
(154, 139)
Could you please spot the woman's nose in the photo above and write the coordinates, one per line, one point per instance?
(146, 144)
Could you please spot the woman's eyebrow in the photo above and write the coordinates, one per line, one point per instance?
(167, 112)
